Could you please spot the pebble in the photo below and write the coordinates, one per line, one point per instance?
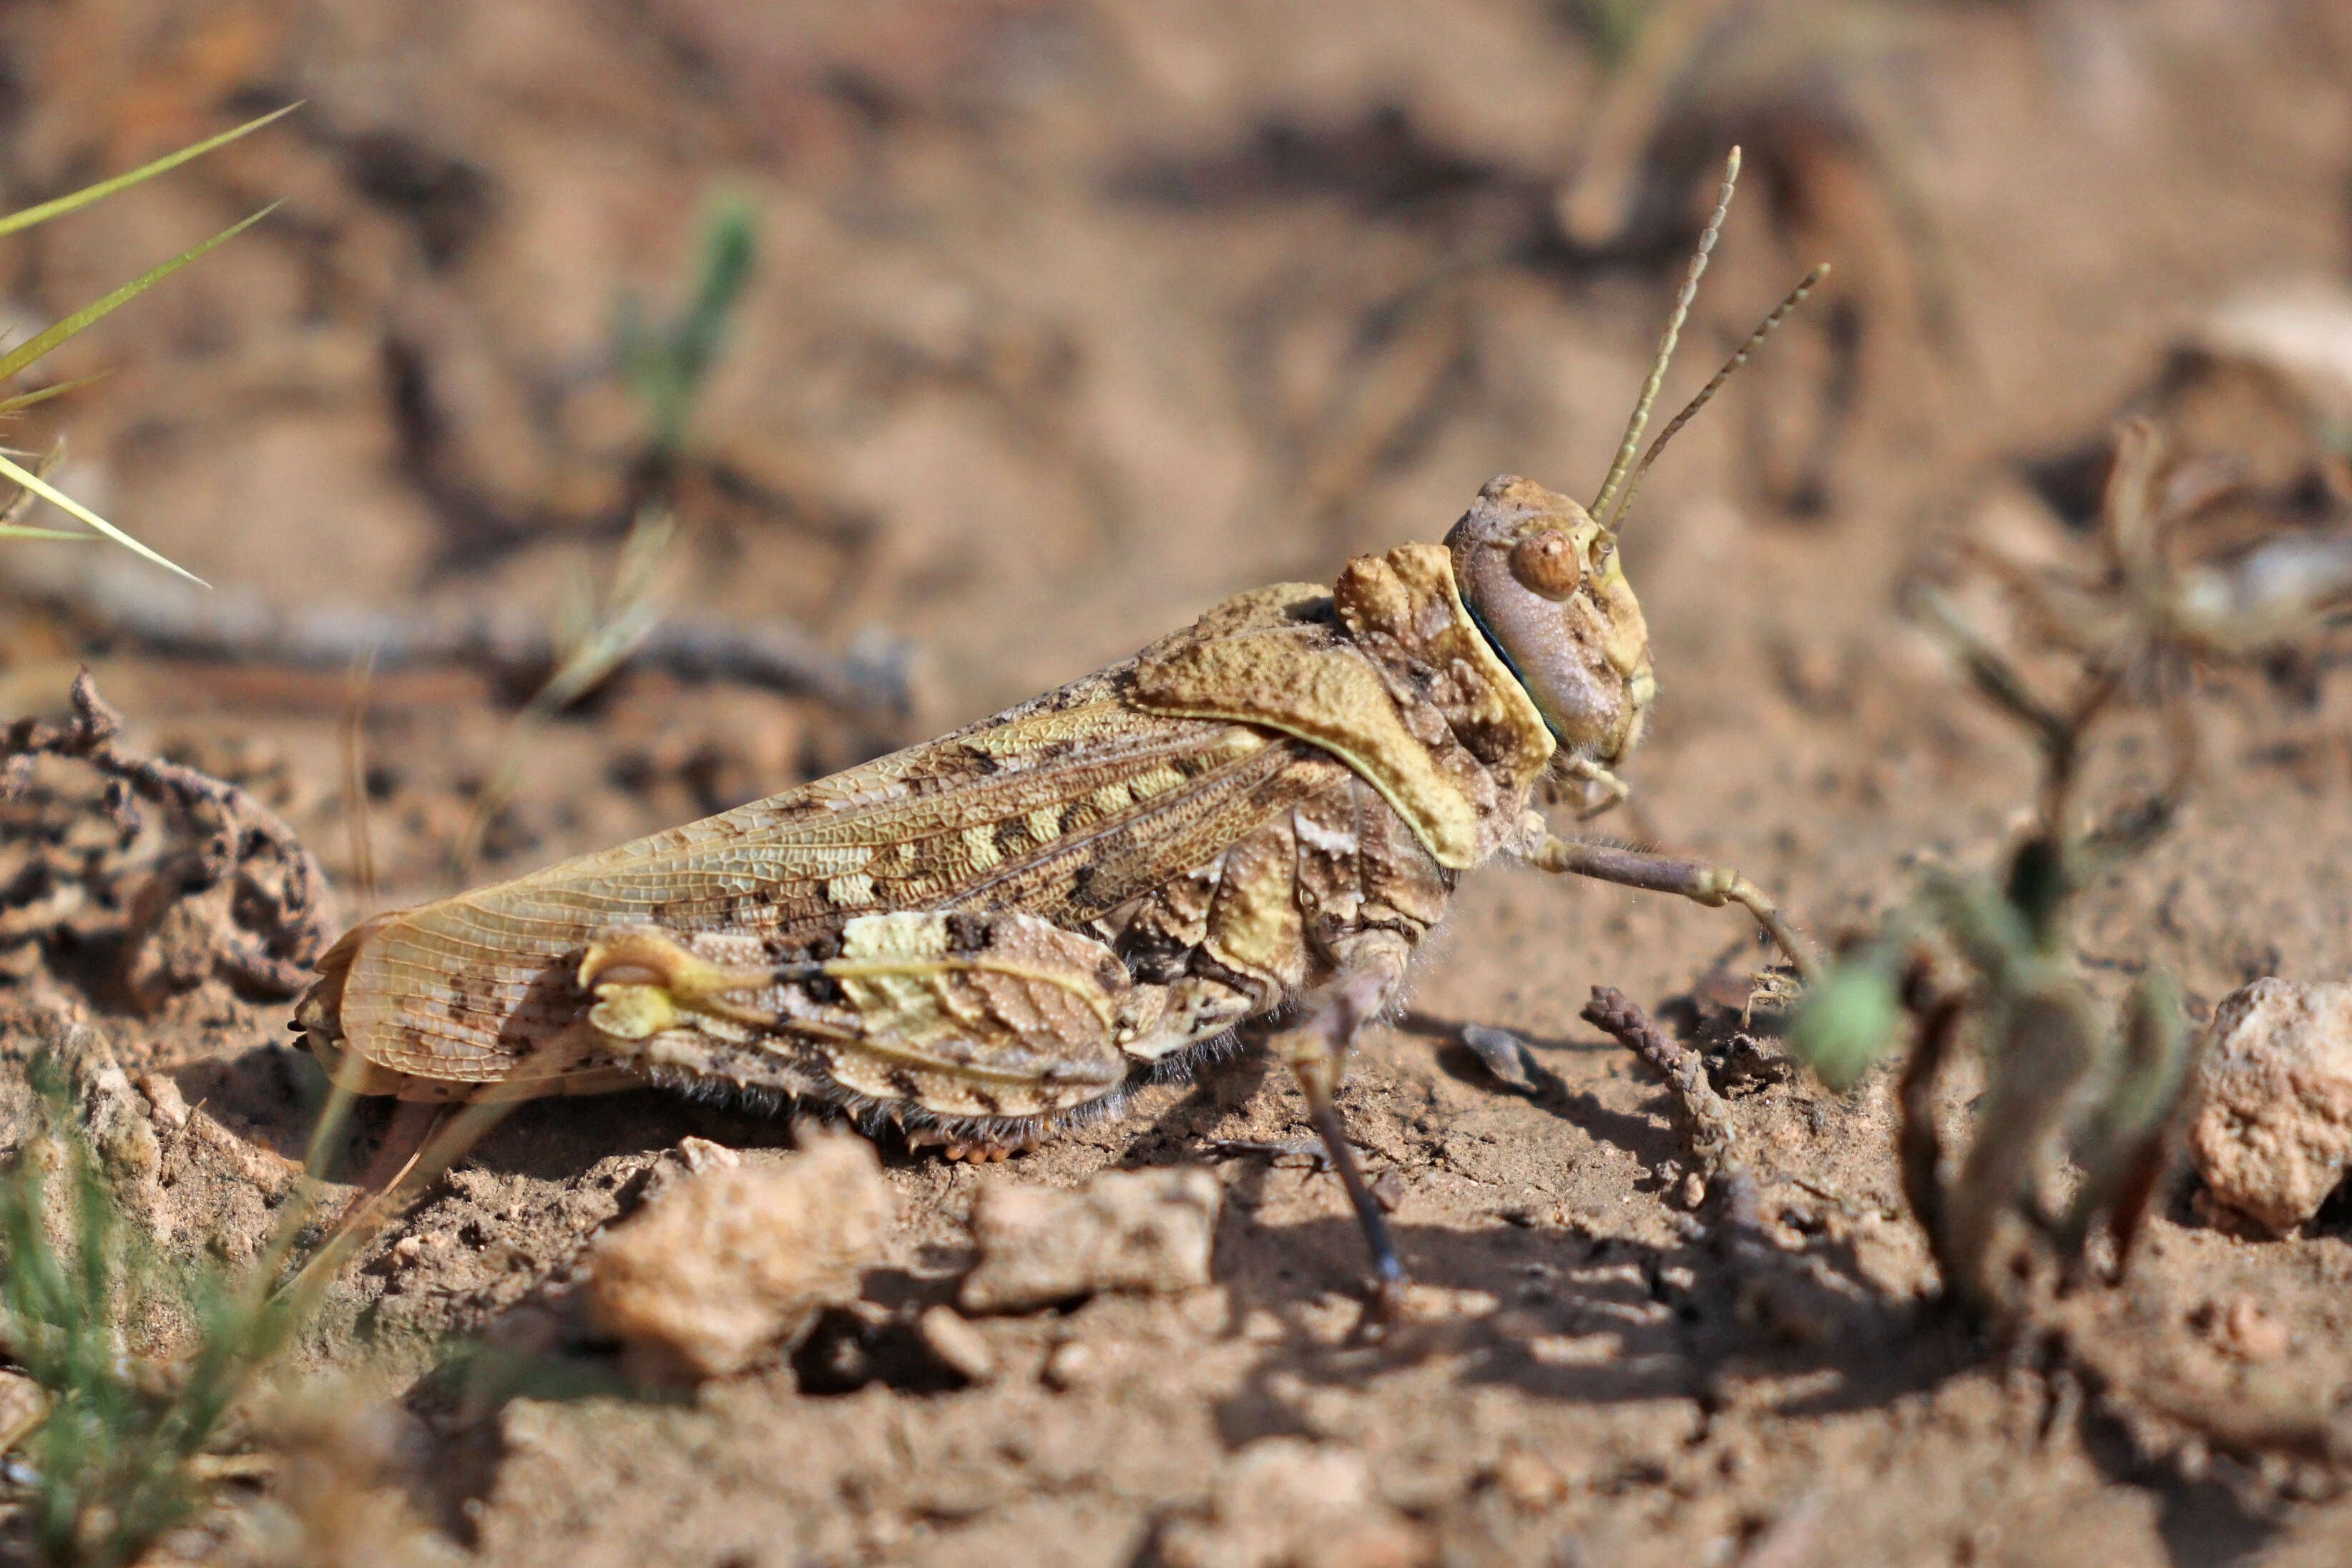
(24, 1405)
(960, 1347)
(2242, 1327)
(729, 1264)
(2273, 1121)
(1069, 1366)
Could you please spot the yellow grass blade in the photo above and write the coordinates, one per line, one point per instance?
(66, 503)
(33, 348)
(42, 395)
(77, 200)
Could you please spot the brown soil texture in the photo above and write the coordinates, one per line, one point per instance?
(1072, 317)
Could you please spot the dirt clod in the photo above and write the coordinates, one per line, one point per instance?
(730, 1263)
(2273, 1126)
(1147, 1231)
(1285, 1502)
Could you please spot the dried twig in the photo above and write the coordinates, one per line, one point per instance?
(1771, 1288)
(872, 677)
(1706, 1119)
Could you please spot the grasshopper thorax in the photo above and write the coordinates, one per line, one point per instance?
(1547, 585)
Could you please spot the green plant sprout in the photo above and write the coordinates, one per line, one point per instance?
(1992, 963)
(32, 482)
(117, 1456)
(667, 362)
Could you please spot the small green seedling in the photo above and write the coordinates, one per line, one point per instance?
(1992, 963)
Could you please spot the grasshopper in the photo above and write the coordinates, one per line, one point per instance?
(995, 934)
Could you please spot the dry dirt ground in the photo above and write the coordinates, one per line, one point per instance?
(1072, 317)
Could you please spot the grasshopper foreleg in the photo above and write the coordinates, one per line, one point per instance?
(1713, 886)
(1371, 965)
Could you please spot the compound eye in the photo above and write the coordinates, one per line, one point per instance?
(1545, 563)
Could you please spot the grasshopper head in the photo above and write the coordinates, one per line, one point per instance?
(1542, 575)
(1544, 582)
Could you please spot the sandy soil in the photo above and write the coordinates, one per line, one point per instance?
(1071, 319)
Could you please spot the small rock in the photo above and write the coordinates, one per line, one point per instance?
(1070, 1365)
(1576, 1349)
(1443, 1304)
(962, 1349)
(726, 1265)
(1285, 1502)
(1528, 1481)
(701, 1155)
(1127, 1230)
(2242, 1327)
(1501, 1053)
(169, 1105)
(2274, 1125)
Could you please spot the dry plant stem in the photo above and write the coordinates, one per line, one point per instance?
(1734, 1196)
(872, 677)
(301, 924)
(1594, 206)
(1920, 1142)
(451, 1138)
(1713, 886)
(355, 794)
(1707, 1118)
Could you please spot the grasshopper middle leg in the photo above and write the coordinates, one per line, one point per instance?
(1371, 966)
(1713, 886)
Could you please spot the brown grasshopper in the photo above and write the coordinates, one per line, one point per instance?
(993, 935)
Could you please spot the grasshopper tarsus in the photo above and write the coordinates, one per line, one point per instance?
(1389, 1280)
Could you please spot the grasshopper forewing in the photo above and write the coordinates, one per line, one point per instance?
(988, 935)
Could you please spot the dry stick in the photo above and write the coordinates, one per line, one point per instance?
(301, 924)
(1733, 1191)
(355, 792)
(1920, 1142)
(370, 1212)
(1616, 137)
(1706, 1119)
(872, 677)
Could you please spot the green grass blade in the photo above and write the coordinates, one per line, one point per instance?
(42, 395)
(66, 503)
(77, 200)
(16, 530)
(33, 348)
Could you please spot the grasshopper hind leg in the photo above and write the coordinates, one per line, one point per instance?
(983, 1032)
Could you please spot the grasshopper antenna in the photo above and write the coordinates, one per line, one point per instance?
(1764, 329)
(1606, 504)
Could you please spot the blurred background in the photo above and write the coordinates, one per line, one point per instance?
(965, 346)
(636, 408)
